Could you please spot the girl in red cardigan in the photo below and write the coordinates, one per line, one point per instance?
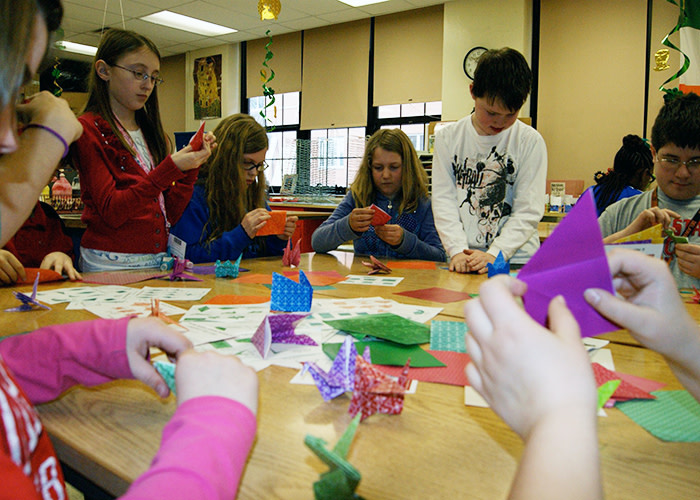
(132, 189)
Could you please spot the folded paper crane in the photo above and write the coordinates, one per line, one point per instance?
(178, 273)
(376, 266)
(341, 377)
(197, 140)
(499, 266)
(227, 269)
(570, 261)
(380, 217)
(157, 313)
(341, 480)
(288, 295)
(292, 256)
(29, 303)
(375, 391)
(166, 369)
(279, 329)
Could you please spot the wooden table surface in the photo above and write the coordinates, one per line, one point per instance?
(437, 448)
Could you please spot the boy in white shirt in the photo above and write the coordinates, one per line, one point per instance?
(489, 171)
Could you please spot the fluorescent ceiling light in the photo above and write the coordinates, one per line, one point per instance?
(185, 23)
(78, 48)
(361, 3)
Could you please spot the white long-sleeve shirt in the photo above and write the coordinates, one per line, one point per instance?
(488, 191)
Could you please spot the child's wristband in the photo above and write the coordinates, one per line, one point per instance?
(51, 131)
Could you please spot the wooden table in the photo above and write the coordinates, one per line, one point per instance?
(437, 448)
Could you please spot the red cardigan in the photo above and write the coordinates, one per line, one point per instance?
(121, 211)
(41, 234)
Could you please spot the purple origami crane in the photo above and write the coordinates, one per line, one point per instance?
(28, 303)
(341, 377)
(571, 260)
(279, 329)
(179, 267)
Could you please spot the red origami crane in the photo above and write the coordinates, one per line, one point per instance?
(376, 266)
(375, 391)
(292, 256)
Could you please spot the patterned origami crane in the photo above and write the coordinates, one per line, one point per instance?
(28, 302)
(288, 295)
(341, 480)
(341, 377)
(292, 256)
(375, 391)
(376, 267)
(279, 329)
(227, 269)
(179, 274)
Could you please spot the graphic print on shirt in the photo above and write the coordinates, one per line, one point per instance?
(488, 185)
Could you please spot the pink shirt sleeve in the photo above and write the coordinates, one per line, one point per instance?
(52, 359)
(202, 454)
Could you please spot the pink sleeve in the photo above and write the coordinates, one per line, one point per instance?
(202, 454)
(50, 360)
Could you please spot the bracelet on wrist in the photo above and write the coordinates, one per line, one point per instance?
(54, 133)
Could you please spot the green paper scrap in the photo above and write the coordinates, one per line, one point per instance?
(390, 353)
(606, 390)
(672, 416)
(220, 344)
(167, 371)
(341, 480)
(448, 336)
(385, 326)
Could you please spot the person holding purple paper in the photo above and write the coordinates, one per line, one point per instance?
(552, 404)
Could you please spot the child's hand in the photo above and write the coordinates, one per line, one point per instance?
(646, 219)
(525, 372)
(141, 335)
(458, 263)
(290, 226)
(187, 159)
(46, 109)
(390, 233)
(62, 264)
(360, 219)
(688, 256)
(212, 374)
(477, 260)
(254, 220)
(650, 307)
(11, 269)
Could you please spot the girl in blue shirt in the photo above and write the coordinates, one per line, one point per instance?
(392, 177)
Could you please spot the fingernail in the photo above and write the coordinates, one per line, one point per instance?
(591, 296)
(560, 299)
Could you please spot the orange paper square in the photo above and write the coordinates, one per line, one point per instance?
(274, 225)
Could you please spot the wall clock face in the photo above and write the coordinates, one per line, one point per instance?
(471, 59)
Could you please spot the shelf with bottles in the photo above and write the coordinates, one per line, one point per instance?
(63, 192)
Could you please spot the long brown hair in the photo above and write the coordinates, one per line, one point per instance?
(115, 44)
(414, 180)
(228, 196)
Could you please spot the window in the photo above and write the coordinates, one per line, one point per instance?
(335, 156)
(285, 110)
(413, 118)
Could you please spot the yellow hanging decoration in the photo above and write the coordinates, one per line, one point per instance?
(269, 9)
(661, 59)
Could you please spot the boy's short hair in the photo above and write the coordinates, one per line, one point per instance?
(678, 123)
(504, 75)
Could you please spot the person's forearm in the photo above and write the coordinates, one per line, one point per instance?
(560, 460)
(23, 174)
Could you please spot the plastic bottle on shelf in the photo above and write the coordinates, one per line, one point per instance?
(62, 193)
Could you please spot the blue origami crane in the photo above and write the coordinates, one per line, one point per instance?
(288, 295)
(227, 269)
(28, 302)
(500, 266)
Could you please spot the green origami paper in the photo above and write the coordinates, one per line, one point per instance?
(167, 371)
(606, 390)
(389, 353)
(672, 416)
(341, 480)
(385, 326)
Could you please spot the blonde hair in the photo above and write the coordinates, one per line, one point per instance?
(228, 196)
(414, 180)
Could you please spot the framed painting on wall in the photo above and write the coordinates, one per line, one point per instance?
(207, 87)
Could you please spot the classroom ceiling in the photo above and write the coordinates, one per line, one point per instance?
(84, 19)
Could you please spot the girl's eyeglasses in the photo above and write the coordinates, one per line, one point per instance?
(249, 165)
(141, 76)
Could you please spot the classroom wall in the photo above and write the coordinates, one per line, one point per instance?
(170, 94)
(471, 23)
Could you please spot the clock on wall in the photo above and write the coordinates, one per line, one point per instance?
(471, 59)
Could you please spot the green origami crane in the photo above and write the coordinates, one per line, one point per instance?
(341, 480)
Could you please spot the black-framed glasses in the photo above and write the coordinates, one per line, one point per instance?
(693, 165)
(141, 76)
(249, 165)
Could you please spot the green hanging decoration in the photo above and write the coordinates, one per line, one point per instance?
(268, 92)
(682, 21)
(56, 74)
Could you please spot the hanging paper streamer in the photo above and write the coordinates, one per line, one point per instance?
(682, 21)
(268, 92)
(56, 74)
